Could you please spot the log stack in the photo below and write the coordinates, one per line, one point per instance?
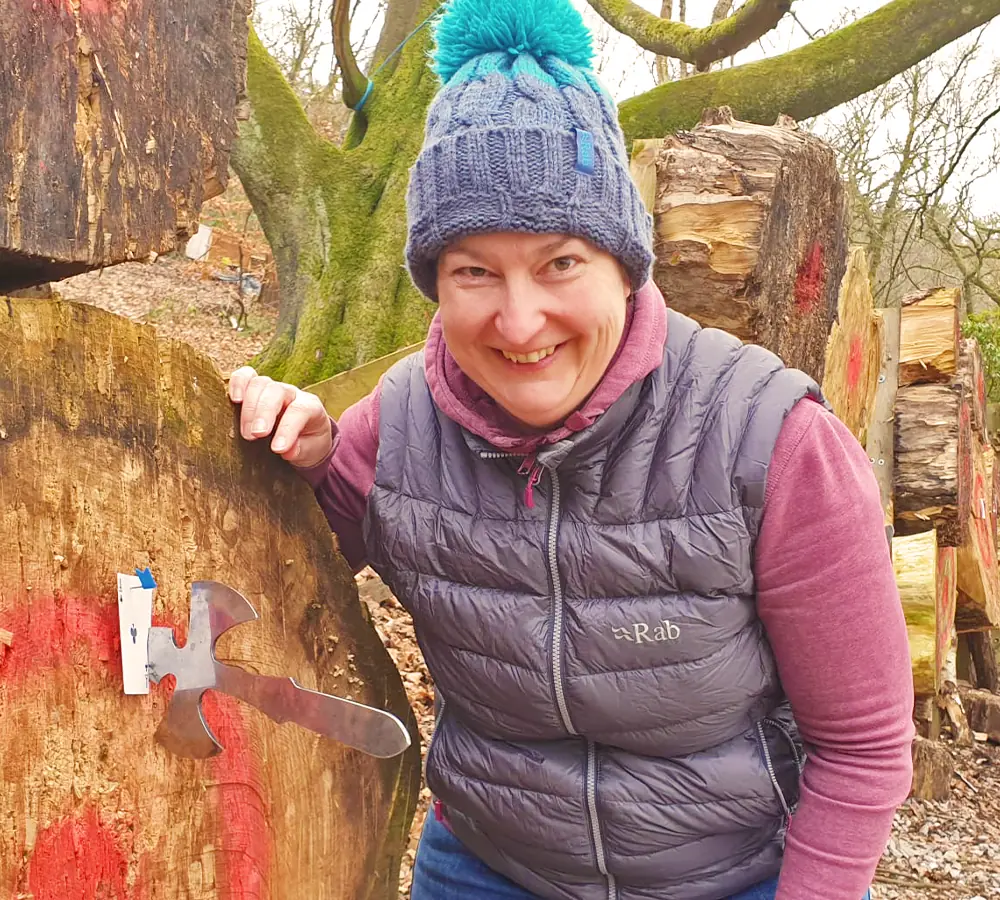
(749, 231)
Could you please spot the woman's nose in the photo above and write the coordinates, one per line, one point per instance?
(521, 316)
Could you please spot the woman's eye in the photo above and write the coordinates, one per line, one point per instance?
(564, 263)
(473, 272)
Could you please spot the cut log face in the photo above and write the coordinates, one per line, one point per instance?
(929, 336)
(855, 352)
(109, 147)
(750, 235)
(923, 591)
(118, 451)
(933, 474)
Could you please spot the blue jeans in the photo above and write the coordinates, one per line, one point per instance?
(445, 870)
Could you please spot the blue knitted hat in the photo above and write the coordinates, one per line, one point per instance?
(521, 137)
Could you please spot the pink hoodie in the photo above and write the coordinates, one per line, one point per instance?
(826, 594)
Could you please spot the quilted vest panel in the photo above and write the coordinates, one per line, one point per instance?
(612, 724)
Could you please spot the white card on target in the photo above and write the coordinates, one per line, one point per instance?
(135, 616)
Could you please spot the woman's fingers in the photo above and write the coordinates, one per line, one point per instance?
(263, 405)
(303, 421)
(238, 382)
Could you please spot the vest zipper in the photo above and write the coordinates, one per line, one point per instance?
(557, 678)
(773, 775)
(557, 607)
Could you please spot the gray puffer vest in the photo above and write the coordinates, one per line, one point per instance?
(611, 723)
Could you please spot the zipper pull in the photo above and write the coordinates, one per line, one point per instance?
(534, 472)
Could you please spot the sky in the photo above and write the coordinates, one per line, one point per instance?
(627, 70)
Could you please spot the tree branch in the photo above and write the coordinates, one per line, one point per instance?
(812, 79)
(354, 80)
(699, 46)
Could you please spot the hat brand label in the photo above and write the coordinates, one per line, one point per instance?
(584, 152)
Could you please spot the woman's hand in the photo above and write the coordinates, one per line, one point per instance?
(302, 433)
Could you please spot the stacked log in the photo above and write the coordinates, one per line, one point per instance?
(933, 442)
(749, 231)
(926, 577)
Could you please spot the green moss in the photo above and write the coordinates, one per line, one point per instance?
(815, 78)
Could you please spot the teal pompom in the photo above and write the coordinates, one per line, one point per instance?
(470, 28)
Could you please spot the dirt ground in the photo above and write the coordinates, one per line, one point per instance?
(938, 851)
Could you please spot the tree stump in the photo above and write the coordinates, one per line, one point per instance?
(750, 233)
(118, 451)
(118, 120)
(933, 769)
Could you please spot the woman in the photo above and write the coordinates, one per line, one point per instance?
(646, 566)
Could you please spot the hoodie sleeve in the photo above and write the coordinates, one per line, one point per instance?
(343, 481)
(827, 596)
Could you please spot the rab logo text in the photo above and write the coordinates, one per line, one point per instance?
(640, 632)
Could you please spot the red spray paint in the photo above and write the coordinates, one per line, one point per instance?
(810, 281)
(79, 858)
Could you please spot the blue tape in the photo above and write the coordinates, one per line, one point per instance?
(365, 96)
(146, 578)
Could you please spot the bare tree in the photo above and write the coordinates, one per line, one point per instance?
(914, 152)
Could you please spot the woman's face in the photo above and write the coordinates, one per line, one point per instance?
(533, 319)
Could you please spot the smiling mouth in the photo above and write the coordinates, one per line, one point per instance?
(533, 357)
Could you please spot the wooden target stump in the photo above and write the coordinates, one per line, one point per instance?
(118, 451)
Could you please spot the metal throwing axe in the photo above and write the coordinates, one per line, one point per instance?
(216, 608)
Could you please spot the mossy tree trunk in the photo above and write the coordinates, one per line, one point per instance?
(336, 217)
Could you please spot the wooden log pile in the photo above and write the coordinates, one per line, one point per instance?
(749, 231)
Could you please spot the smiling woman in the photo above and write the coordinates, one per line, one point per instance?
(640, 555)
(533, 320)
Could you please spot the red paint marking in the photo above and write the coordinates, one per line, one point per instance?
(810, 281)
(58, 631)
(241, 805)
(855, 361)
(78, 858)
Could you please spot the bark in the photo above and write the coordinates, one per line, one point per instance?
(970, 370)
(933, 477)
(929, 336)
(881, 430)
(984, 660)
(750, 234)
(108, 150)
(699, 46)
(855, 351)
(925, 575)
(119, 450)
(933, 769)
(815, 78)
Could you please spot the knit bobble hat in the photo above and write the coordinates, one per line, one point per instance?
(521, 137)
